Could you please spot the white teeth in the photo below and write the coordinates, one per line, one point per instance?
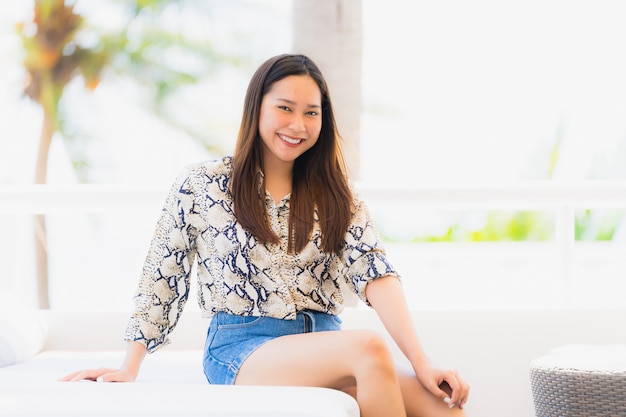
(290, 140)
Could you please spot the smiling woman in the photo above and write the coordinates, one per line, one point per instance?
(290, 124)
(272, 276)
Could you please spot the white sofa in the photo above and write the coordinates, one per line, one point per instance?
(491, 349)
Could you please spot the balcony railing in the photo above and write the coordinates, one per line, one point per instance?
(562, 199)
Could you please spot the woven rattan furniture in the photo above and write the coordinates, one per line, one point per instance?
(580, 381)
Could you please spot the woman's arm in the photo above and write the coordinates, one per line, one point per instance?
(386, 296)
(135, 352)
(171, 253)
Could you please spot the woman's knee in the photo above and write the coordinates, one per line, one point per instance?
(374, 352)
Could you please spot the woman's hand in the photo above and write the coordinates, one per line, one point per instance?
(100, 375)
(446, 385)
(135, 352)
(386, 296)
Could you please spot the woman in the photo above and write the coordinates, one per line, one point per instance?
(272, 230)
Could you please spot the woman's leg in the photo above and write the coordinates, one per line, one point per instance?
(355, 361)
(419, 402)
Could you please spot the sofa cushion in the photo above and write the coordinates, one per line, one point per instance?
(171, 383)
(22, 334)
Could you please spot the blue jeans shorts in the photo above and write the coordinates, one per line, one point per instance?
(231, 339)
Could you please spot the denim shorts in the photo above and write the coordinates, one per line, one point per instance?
(231, 339)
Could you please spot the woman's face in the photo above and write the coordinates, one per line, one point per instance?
(290, 119)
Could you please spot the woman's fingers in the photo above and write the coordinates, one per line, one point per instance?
(115, 376)
(459, 389)
(89, 374)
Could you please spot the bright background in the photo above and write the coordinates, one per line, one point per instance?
(455, 92)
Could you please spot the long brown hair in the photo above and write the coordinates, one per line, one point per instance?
(319, 175)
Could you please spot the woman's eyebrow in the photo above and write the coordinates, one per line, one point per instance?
(293, 103)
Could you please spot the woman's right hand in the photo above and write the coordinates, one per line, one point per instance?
(135, 352)
(100, 375)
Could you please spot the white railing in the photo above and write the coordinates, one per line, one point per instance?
(98, 197)
(563, 200)
(91, 198)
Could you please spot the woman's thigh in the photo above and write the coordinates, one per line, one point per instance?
(231, 339)
(325, 359)
(328, 359)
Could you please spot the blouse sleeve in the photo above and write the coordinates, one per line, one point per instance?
(164, 283)
(364, 257)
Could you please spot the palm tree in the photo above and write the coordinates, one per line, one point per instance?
(49, 70)
(56, 52)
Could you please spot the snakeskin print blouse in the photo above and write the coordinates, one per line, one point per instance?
(235, 272)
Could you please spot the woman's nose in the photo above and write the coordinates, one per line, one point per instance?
(297, 123)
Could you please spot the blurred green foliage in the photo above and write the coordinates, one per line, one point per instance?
(598, 225)
(512, 226)
(520, 226)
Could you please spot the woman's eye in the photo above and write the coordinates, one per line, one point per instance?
(313, 113)
(285, 108)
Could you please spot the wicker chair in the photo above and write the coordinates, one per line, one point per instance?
(580, 381)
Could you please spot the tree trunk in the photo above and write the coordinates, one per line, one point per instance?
(41, 237)
(330, 33)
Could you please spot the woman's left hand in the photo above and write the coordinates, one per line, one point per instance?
(447, 385)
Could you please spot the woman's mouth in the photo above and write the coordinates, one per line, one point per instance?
(290, 140)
